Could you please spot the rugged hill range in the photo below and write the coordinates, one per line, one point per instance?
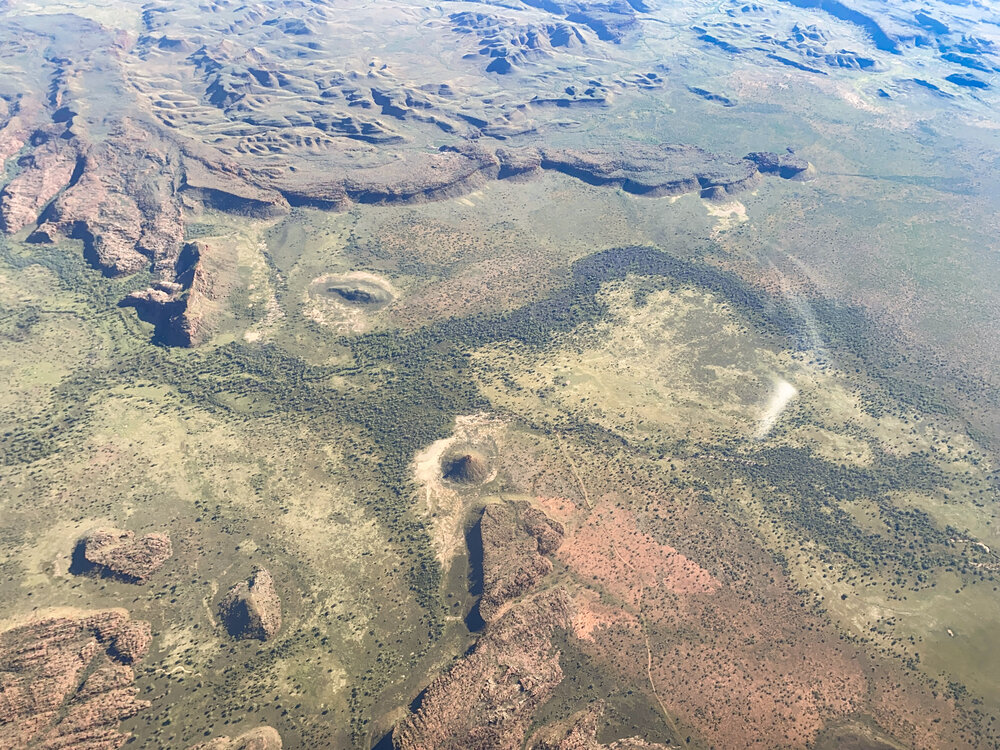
(255, 109)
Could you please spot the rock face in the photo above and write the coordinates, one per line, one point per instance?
(515, 537)
(181, 311)
(46, 170)
(113, 553)
(788, 165)
(470, 467)
(65, 683)
(124, 206)
(252, 608)
(653, 171)
(262, 738)
(131, 641)
(449, 173)
(489, 698)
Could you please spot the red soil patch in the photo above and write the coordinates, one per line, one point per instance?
(610, 547)
(590, 616)
(557, 508)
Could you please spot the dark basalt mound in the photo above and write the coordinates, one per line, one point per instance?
(113, 553)
(251, 608)
(360, 293)
(467, 468)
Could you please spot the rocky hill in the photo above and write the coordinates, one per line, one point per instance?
(516, 540)
(113, 553)
(251, 608)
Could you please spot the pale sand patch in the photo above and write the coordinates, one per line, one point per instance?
(444, 505)
(727, 215)
(50, 553)
(261, 292)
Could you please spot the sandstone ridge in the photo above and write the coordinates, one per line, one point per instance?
(516, 538)
(67, 682)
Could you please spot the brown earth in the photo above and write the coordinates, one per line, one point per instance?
(262, 738)
(579, 732)
(707, 621)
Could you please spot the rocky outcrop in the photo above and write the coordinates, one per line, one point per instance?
(654, 170)
(262, 738)
(449, 173)
(113, 553)
(506, 44)
(226, 186)
(579, 732)
(518, 163)
(181, 311)
(787, 165)
(489, 698)
(44, 171)
(516, 538)
(467, 467)
(611, 20)
(251, 608)
(130, 642)
(124, 204)
(13, 132)
(65, 683)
